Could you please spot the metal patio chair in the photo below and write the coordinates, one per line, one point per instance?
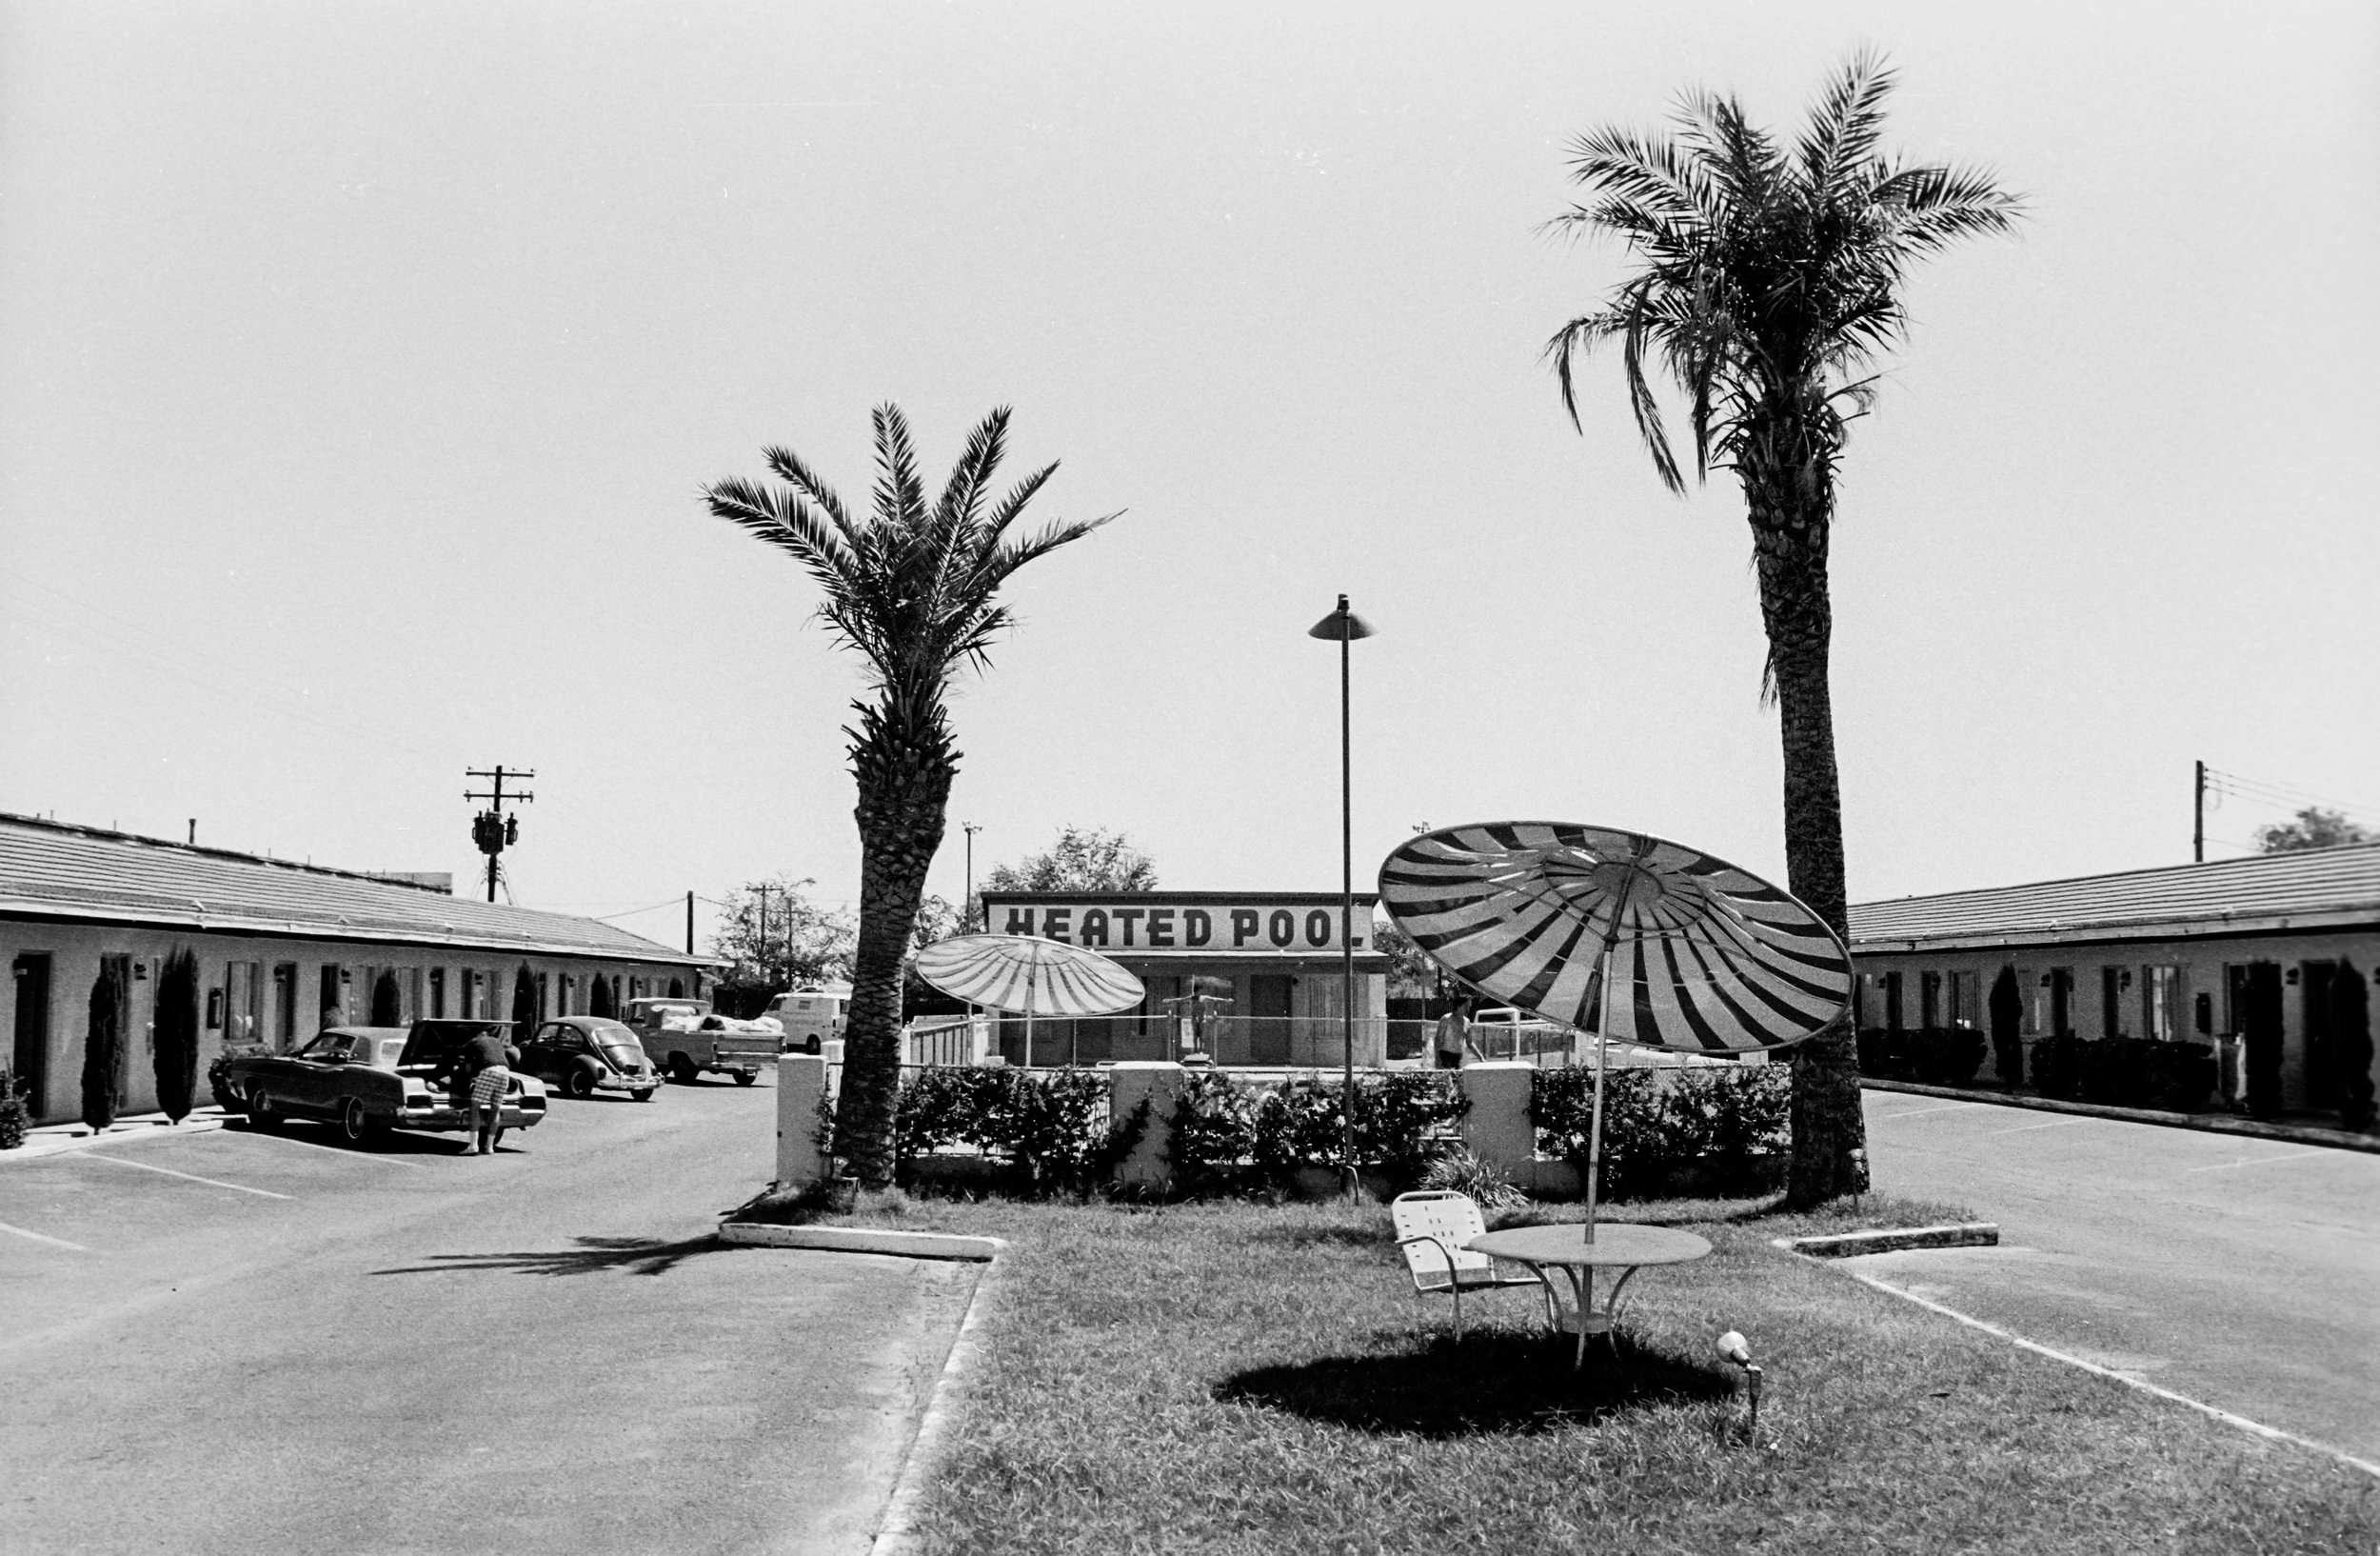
(1431, 1227)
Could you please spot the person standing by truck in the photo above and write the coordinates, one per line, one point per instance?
(487, 1061)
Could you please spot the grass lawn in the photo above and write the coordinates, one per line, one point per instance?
(1231, 1377)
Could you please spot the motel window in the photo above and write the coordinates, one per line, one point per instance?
(1966, 992)
(2161, 1003)
(240, 997)
(1929, 1000)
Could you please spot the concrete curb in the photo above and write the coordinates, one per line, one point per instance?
(53, 1139)
(1963, 1234)
(2304, 1134)
(863, 1240)
(897, 1535)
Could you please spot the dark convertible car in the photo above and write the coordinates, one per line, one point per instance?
(366, 1079)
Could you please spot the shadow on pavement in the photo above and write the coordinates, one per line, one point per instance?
(636, 1255)
(1489, 1383)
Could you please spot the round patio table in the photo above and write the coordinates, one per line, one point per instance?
(1617, 1246)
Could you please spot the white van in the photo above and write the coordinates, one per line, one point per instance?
(811, 1017)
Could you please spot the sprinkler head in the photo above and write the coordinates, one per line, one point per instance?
(1732, 1348)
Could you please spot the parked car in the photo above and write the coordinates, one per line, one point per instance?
(586, 1054)
(686, 1037)
(367, 1079)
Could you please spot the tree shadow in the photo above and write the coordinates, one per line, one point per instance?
(1328, 1235)
(593, 1255)
(1489, 1383)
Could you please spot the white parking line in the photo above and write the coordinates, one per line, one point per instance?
(336, 1150)
(211, 1183)
(2258, 1161)
(1920, 1112)
(2054, 1124)
(40, 1237)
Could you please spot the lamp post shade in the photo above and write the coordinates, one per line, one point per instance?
(1709, 957)
(1028, 975)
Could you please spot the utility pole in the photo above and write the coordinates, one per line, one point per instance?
(689, 924)
(966, 905)
(491, 828)
(2198, 816)
(760, 938)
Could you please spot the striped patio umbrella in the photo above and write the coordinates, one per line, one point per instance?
(1027, 975)
(1629, 937)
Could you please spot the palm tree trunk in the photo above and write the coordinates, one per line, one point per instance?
(1789, 511)
(904, 791)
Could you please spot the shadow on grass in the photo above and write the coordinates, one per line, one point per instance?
(1325, 1234)
(1487, 1383)
(635, 1255)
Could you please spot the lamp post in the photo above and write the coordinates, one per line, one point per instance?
(966, 903)
(1344, 627)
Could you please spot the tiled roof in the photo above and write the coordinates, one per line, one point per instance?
(58, 871)
(2310, 889)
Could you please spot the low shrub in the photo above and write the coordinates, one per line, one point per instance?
(16, 1117)
(1229, 1135)
(1657, 1123)
(1467, 1174)
(1935, 1056)
(2125, 1072)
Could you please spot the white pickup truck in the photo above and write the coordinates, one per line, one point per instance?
(684, 1038)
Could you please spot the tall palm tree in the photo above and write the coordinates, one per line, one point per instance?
(913, 587)
(1766, 281)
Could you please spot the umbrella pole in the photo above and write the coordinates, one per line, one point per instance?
(1594, 1125)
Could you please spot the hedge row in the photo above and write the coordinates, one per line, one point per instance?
(1229, 1135)
(1049, 1128)
(1934, 1055)
(2124, 1071)
(1658, 1122)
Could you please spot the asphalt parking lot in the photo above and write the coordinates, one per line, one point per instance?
(244, 1342)
(2241, 1272)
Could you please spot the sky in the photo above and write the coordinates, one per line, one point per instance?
(361, 367)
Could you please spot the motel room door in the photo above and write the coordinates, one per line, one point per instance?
(30, 1055)
(2255, 999)
(2316, 983)
(1268, 1003)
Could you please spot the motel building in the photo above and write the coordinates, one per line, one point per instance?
(1246, 978)
(2237, 954)
(284, 950)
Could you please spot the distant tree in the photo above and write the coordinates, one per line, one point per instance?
(1412, 974)
(2314, 827)
(802, 941)
(1769, 278)
(388, 1003)
(1080, 859)
(103, 1048)
(176, 1056)
(913, 585)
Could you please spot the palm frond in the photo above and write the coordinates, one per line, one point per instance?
(1848, 121)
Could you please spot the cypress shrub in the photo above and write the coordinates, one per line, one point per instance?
(103, 1048)
(14, 1115)
(2351, 1028)
(2008, 1022)
(176, 1056)
(523, 1003)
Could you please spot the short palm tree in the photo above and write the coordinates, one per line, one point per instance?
(913, 586)
(1766, 281)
